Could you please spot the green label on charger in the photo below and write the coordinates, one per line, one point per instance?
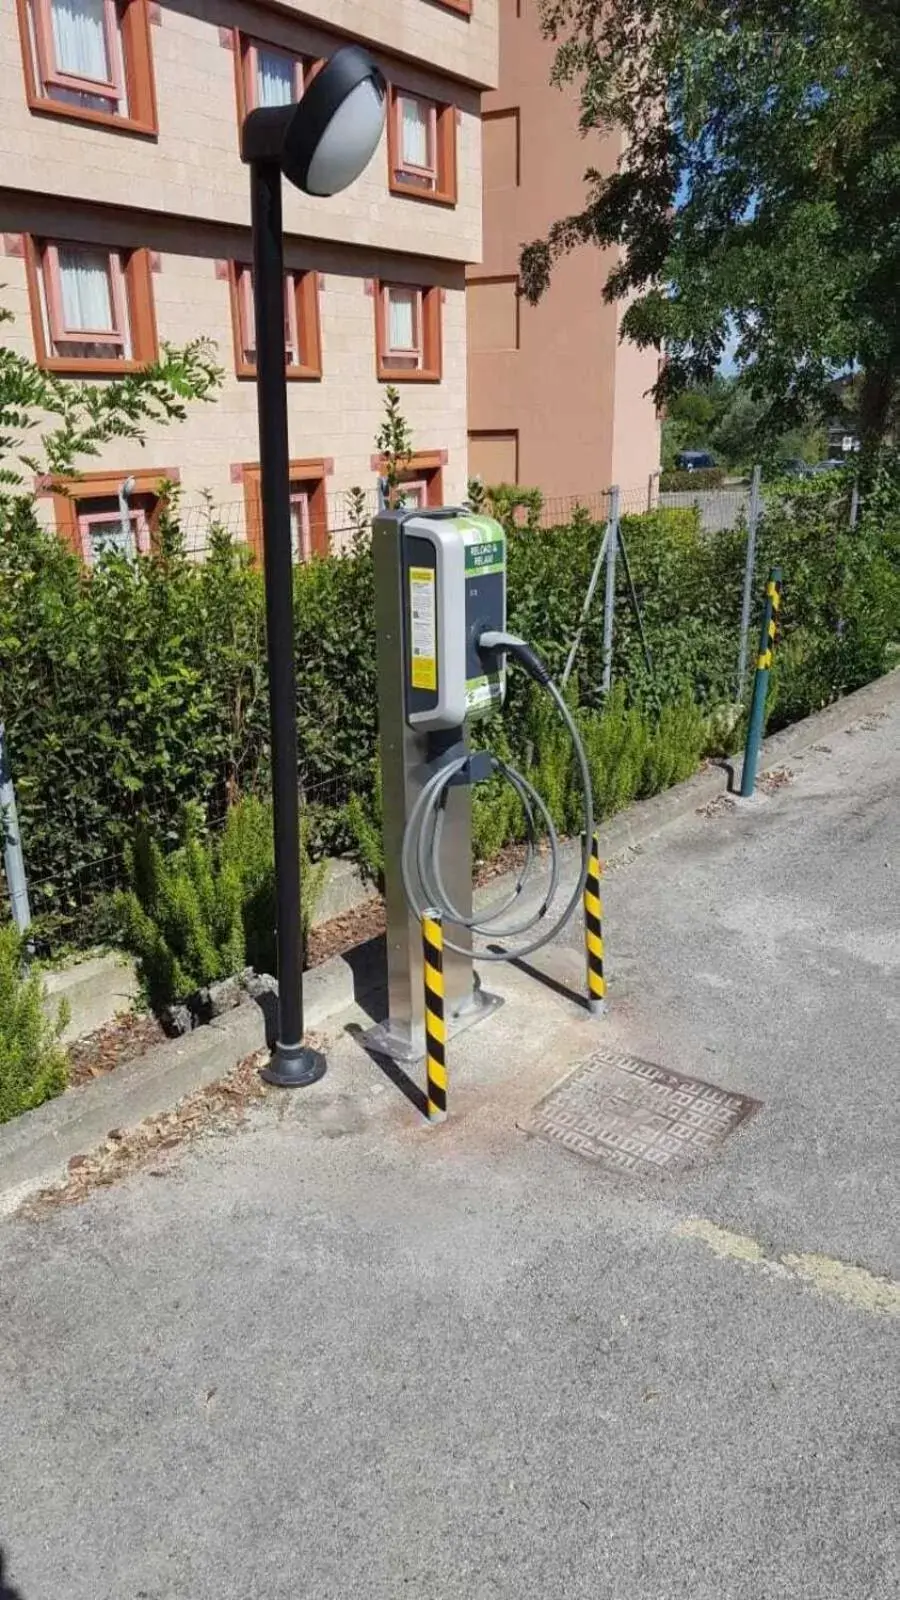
(485, 557)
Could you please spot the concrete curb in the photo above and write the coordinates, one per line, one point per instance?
(95, 990)
(35, 1148)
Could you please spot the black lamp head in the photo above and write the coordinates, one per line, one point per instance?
(327, 139)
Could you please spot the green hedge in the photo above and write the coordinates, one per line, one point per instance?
(139, 689)
(702, 478)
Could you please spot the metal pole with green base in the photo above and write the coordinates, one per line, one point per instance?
(761, 683)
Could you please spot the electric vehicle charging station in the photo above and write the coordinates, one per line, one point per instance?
(440, 613)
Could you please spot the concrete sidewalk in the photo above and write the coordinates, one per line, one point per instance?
(342, 1354)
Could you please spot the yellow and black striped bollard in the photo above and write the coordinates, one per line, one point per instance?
(435, 1023)
(757, 718)
(593, 933)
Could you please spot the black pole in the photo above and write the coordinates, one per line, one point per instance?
(293, 1065)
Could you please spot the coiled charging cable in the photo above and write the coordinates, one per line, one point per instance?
(420, 862)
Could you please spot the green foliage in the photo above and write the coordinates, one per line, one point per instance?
(841, 607)
(48, 422)
(515, 507)
(32, 1062)
(139, 689)
(182, 918)
(616, 743)
(364, 814)
(394, 442)
(762, 205)
(358, 516)
(206, 909)
(704, 478)
(675, 746)
(724, 417)
(476, 495)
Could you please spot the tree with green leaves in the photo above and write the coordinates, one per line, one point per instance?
(394, 443)
(758, 193)
(48, 422)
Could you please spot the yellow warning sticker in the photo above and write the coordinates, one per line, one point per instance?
(422, 628)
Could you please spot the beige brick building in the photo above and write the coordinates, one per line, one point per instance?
(124, 219)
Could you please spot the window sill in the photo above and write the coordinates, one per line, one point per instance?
(292, 374)
(464, 7)
(93, 366)
(45, 107)
(407, 374)
(431, 197)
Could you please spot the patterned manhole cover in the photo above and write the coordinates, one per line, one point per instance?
(635, 1116)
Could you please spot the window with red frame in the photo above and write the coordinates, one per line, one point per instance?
(302, 344)
(90, 58)
(92, 306)
(413, 493)
(408, 332)
(271, 76)
(422, 147)
(301, 538)
(309, 508)
(104, 526)
(416, 135)
(421, 483)
(404, 337)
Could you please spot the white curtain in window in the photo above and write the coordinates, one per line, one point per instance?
(79, 39)
(300, 525)
(414, 125)
(274, 79)
(85, 289)
(402, 319)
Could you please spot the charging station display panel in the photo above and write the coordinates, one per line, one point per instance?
(421, 582)
(485, 578)
(454, 587)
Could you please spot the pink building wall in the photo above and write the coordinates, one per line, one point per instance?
(558, 393)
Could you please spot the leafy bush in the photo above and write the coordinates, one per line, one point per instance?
(32, 1062)
(206, 910)
(703, 478)
(140, 688)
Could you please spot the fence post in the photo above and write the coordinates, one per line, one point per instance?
(585, 610)
(13, 859)
(854, 505)
(609, 601)
(749, 572)
(761, 683)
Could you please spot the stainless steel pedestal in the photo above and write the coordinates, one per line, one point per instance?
(407, 758)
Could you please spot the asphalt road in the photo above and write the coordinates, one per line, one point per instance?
(340, 1355)
(719, 508)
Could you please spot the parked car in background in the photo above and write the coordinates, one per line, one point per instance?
(834, 464)
(694, 461)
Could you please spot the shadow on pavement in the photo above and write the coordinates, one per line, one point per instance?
(7, 1592)
(392, 1071)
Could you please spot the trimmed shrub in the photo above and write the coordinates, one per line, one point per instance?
(206, 910)
(32, 1061)
(677, 481)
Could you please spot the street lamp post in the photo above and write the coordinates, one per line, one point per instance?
(320, 145)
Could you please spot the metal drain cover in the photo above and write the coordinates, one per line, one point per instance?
(634, 1116)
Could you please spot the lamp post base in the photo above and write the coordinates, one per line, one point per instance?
(294, 1066)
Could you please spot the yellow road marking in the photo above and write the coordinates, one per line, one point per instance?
(835, 1280)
